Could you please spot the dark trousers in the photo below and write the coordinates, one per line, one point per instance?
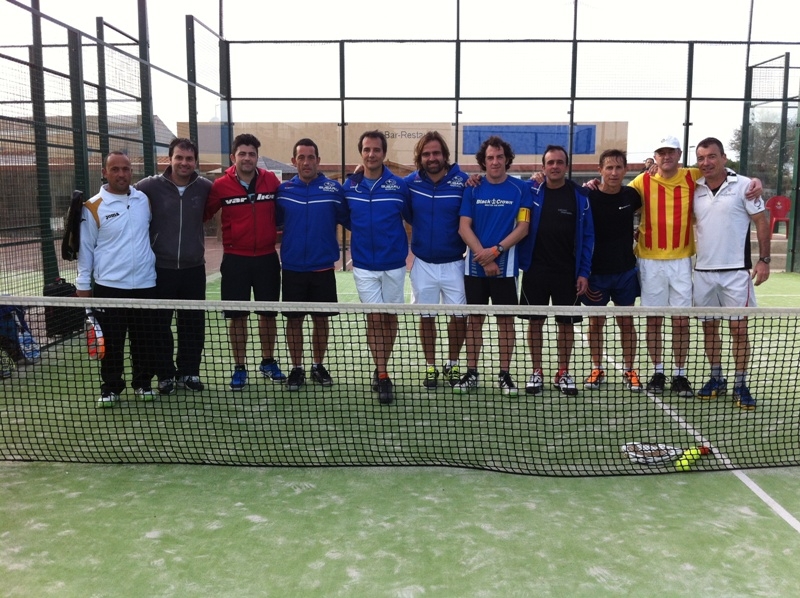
(188, 283)
(141, 328)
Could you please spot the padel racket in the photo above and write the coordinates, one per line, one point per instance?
(651, 454)
(94, 337)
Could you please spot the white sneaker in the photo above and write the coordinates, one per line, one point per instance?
(535, 384)
(469, 381)
(566, 384)
(506, 384)
(108, 399)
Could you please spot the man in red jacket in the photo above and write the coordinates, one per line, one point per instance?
(246, 195)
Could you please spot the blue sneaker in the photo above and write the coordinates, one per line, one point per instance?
(272, 371)
(743, 398)
(715, 387)
(239, 379)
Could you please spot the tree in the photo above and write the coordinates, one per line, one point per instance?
(763, 153)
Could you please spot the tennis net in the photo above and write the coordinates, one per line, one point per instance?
(49, 406)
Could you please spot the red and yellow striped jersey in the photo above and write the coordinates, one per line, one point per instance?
(665, 230)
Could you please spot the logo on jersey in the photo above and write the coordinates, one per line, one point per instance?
(391, 185)
(456, 181)
(110, 216)
(329, 187)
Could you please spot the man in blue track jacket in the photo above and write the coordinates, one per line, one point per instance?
(378, 202)
(310, 207)
(438, 272)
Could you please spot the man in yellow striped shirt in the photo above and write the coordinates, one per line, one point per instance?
(664, 247)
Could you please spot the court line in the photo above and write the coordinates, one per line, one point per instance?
(762, 494)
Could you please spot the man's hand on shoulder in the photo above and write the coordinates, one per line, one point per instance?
(754, 190)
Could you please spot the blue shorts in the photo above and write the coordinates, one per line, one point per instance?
(622, 288)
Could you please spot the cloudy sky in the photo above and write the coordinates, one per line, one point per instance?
(646, 69)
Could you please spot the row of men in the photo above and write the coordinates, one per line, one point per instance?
(570, 244)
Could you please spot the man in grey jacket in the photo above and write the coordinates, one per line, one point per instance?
(178, 199)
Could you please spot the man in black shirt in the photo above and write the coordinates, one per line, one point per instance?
(614, 274)
(556, 258)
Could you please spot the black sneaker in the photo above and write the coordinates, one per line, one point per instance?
(375, 380)
(320, 375)
(166, 386)
(681, 386)
(452, 374)
(506, 384)
(385, 395)
(431, 377)
(297, 377)
(657, 383)
(193, 383)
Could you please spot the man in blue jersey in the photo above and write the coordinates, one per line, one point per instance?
(556, 259)
(495, 216)
(378, 201)
(310, 206)
(438, 272)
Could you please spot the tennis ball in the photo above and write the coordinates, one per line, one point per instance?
(688, 458)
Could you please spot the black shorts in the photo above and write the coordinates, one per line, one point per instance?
(479, 290)
(543, 286)
(242, 274)
(309, 287)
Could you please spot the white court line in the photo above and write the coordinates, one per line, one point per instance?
(720, 456)
(768, 500)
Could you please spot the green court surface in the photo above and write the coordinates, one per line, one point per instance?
(70, 529)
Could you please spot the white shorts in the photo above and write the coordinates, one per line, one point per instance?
(666, 283)
(437, 283)
(733, 288)
(380, 286)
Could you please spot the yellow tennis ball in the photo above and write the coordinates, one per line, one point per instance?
(688, 458)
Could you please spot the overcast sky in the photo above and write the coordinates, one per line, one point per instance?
(504, 70)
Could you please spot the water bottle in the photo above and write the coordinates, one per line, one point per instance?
(29, 347)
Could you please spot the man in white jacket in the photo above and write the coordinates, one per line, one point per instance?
(115, 251)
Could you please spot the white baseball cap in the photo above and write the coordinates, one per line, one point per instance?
(671, 142)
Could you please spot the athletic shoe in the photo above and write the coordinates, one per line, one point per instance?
(320, 375)
(506, 384)
(385, 395)
(681, 386)
(595, 379)
(297, 377)
(166, 386)
(632, 381)
(431, 377)
(743, 397)
(468, 382)
(535, 384)
(145, 393)
(715, 387)
(657, 383)
(239, 379)
(108, 399)
(375, 380)
(565, 384)
(453, 375)
(191, 382)
(272, 371)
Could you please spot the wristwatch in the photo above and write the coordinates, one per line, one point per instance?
(766, 260)
(500, 248)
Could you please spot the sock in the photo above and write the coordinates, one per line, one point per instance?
(680, 372)
(740, 378)
(716, 372)
(659, 368)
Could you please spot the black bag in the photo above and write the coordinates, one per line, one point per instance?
(60, 321)
(71, 242)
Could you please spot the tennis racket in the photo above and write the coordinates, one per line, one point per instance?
(94, 336)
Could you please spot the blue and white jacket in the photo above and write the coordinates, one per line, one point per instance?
(379, 240)
(434, 216)
(309, 213)
(584, 229)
